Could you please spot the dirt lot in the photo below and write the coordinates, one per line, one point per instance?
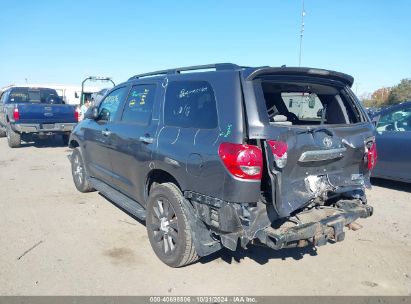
(84, 245)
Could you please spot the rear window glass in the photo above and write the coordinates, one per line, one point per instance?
(41, 95)
(190, 104)
(298, 103)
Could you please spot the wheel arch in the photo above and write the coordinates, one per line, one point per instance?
(159, 176)
(73, 144)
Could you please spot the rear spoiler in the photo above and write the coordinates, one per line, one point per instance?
(251, 74)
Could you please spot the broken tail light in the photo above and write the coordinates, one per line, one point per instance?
(372, 156)
(243, 161)
(279, 149)
(16, 114)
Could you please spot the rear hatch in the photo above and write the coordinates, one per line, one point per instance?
(315, 135)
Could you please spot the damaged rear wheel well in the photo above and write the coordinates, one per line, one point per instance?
(158, 176)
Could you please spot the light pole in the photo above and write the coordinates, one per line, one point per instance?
(301, 33)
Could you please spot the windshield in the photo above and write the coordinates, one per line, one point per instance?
(34, 95)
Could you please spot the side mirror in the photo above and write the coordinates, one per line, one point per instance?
(92, 113)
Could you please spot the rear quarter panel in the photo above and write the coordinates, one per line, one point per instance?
(191, 155)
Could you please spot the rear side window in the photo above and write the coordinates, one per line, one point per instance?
(190, 104)
(139, 104)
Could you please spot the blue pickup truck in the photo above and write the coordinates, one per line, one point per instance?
(35, 111)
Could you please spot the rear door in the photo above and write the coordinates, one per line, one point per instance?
(98, 135)
(314, 133)
(133, 139)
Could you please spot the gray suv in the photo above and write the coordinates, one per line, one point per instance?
(224, 156)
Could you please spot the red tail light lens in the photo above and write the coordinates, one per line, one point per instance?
(243, 161)
(77, 114)
(372, 156)
(279, 150)
(16, 114)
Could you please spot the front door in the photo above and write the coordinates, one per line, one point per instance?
(134, 139)
(98, 136)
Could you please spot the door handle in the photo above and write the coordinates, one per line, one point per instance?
(105, 132)
(146, 139)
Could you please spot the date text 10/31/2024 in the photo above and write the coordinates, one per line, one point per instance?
(203, 299)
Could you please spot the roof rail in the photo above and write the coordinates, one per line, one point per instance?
(216, 66)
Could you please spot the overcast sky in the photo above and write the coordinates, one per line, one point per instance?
(64, 41)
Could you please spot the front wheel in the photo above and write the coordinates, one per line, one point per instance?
(168, 228)
(78, 172)
(13, 138)
(2, 132)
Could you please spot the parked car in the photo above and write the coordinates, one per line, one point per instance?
(213, 159)
(38, 111)
(394, 142)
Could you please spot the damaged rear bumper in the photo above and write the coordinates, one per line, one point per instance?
(316, 226)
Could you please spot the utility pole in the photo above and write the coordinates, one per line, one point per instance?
(301, 33)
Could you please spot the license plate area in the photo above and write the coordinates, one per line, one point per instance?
(48, 126)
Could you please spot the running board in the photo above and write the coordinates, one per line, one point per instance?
(119, 198)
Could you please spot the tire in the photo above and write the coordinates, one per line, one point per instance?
(2, 132)
(168, 228)
(13, 138)
(66, 138)
(79, 173)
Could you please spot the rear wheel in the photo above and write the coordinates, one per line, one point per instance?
(13, 138)
(78, 172)
(168, 228)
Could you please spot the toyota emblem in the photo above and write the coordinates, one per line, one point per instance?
(327, 142)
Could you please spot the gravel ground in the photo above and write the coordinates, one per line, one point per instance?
(57, 241)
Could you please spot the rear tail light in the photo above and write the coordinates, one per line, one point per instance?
(77, 114)
(279, 149)
(243, 161)
(16, 114)
(372, 156)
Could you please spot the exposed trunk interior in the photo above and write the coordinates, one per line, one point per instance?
(308, 103)
(315, 145)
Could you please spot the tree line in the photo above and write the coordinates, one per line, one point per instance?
(389, 95)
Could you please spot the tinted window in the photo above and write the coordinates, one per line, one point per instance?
(109, 106)
(48, 96)
(139, 104)
(398, 120)
(190, 104)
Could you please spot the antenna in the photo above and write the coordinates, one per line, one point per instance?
(301, 33)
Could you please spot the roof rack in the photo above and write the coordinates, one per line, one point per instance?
(217, 67)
